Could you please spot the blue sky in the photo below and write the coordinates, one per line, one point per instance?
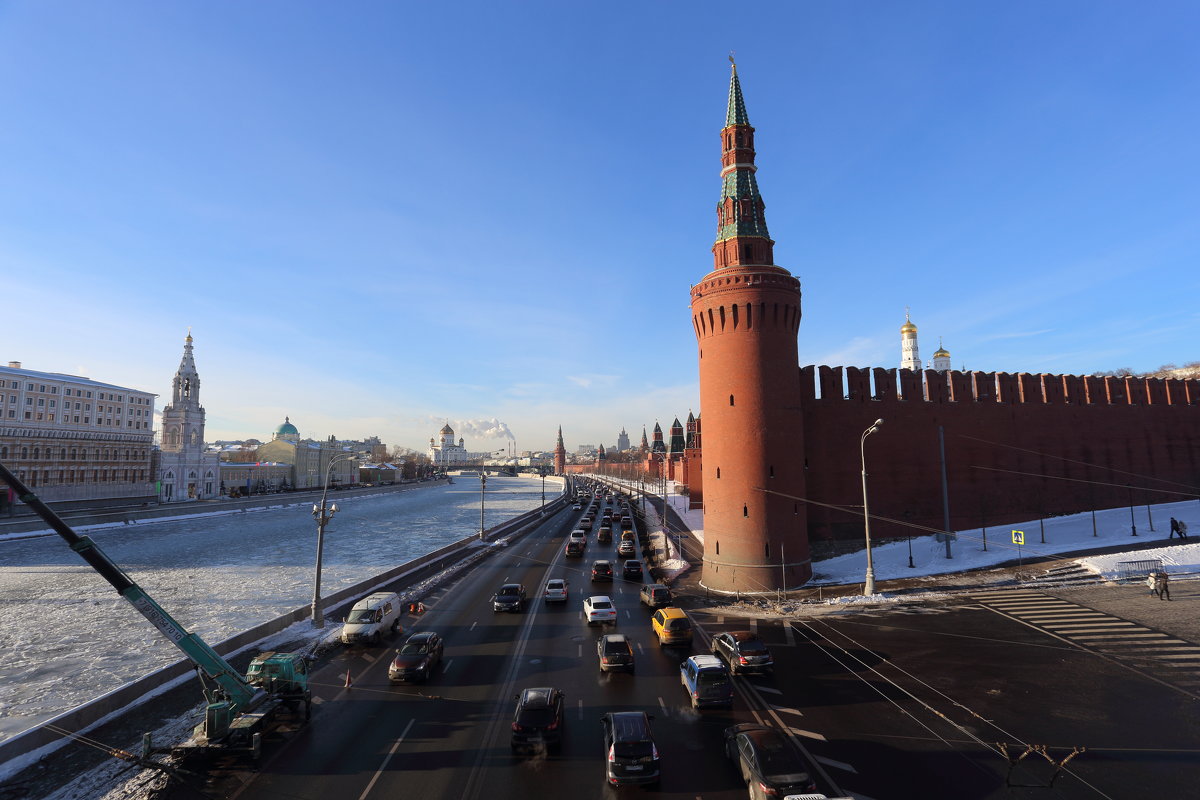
(378, 216)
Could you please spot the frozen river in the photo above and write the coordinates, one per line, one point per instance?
(66, 636)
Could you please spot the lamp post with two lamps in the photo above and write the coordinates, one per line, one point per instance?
(322, 516)
(869, 584)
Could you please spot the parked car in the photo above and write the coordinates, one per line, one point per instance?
(371, 618)
(510, 597)
(417, 658)
(743, 652)
(627, 548)
(538, 720)
(706, 681)
(767, 760)
(599, 609)
(614, 652)
(602, 570)
(655, 595)
(556, 590)
(629, 749)
(671, 626)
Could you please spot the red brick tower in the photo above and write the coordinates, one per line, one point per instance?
(746, 315)
(560, 455)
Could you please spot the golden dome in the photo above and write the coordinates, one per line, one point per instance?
(908, 327)
(941, 352)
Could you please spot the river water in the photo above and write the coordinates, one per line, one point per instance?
(66, 636)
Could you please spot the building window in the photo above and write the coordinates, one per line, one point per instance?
(730, 399)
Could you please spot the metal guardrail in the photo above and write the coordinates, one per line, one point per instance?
(1137, 570)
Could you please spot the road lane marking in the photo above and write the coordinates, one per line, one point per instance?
(662, 704)
(627, 614)
(580, 653)
(446, 666)
(581, 709)
(767, 689)
(754, 626)
(807, 734)
(388, 758)
(842, 765)
(641, 649)
(371, 658)
(786, 710)
(473, 624)
(787, 634)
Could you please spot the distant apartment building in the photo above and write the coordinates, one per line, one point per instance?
(74, 440)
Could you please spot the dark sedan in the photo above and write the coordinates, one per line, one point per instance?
(538, 721)
(417, 658)
(632, 570)
(510, 597)
(768, 762)
(743, 652)
(614, 652)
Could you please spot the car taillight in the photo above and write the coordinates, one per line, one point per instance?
(770, 791)
(603, 659)
(654, 751)
(743, 660)
(516, 726)
(612, 756)
(553, 726)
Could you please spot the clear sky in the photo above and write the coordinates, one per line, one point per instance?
(376, 216)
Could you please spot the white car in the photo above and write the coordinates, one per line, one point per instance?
(599, 609)
(556, 591)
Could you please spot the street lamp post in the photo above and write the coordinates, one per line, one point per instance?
(482, 489)
(1132, 521)
(322, 516)
(869, 586)
(543, 471)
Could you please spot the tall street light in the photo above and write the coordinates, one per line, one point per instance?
(482, 489)
(869, 586)
(322, 517)
(543, 471)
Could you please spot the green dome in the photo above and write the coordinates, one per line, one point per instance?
(287, 428)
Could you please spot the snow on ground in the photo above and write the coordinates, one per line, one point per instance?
(1062, 535)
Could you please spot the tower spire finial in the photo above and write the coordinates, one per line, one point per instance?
(732, 62)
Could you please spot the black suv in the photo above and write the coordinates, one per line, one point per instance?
(629, 748)
(614, 652)
(602, 570)
(743, 652)
(538, 720)
(511, 597)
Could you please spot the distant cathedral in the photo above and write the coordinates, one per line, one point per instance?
(910, 357)
(443, 452)
(186, 472)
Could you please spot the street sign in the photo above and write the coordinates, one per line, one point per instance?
(1018, 537)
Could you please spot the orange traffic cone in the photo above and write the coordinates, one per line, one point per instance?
(348, 682)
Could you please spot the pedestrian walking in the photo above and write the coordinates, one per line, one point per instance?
(1162, 586)
(1182, 529)
(1150, 581)
(1175, 529)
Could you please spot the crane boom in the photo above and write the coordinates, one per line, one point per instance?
(237, 691)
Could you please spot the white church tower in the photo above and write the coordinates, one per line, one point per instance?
(185, 471)
(909, 357)
(941, 358)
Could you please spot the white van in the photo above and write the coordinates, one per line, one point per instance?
(371, 618)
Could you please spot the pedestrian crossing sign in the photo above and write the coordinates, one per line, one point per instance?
(1018, 537)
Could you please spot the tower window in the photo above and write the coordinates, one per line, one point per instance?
(718, 473)
(767, 549)
(772, 472)
(718, 548)
(730, 399)
(745, 510)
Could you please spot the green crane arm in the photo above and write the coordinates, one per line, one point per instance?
(240, 693)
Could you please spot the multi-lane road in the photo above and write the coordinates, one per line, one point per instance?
(922, 702)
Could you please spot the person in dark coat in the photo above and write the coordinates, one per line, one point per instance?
(1175, 529)
(1162, 585)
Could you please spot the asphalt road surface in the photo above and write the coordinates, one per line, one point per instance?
(1009, 694)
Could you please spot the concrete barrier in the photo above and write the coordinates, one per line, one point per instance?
(40, 741)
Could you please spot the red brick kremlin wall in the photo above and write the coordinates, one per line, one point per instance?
(1145, 431)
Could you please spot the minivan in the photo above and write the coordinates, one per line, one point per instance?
(655, 595)
(371, 617)
(706, 681)
(671, 626)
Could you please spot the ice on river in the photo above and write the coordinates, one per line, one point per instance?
(67, 636)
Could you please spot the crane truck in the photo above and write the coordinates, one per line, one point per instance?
(238, 707)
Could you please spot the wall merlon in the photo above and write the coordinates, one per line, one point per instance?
(858, 384)
(1052, 388)
(885, 383)
(831, 382)
(1007, 388)
(911, 385)
(1029, 388)
(937, 389)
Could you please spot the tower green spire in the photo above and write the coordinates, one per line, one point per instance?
(736, 113)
